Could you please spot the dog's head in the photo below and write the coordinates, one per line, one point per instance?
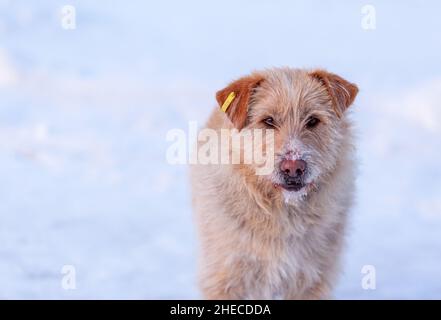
(306, 110)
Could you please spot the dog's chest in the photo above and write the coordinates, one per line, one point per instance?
(294, 268)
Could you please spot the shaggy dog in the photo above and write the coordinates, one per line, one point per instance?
(277, 235)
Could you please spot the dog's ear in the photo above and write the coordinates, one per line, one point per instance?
(341, 91)
(235, 98)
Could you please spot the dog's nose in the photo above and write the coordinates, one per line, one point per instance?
(293, 168)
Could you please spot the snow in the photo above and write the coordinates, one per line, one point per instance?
(84, 115)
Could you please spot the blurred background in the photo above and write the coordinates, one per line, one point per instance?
(84, 113)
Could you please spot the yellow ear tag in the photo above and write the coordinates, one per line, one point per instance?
(228, 101)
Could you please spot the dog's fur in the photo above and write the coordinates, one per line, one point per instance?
(260, 241)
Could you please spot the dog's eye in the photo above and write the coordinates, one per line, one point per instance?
(312, 122)
(269, 122)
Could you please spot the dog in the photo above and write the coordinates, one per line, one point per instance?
(279, 235)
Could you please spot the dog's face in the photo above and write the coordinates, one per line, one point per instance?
(306, 112)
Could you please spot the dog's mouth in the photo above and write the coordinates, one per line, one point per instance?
(291, 184)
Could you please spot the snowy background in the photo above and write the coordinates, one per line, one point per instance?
(84, 113)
